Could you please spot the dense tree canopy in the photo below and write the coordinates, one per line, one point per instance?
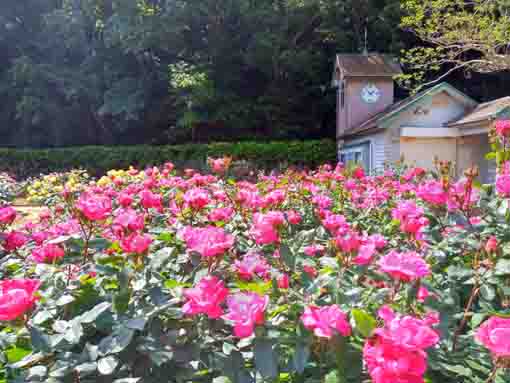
(163, 71)
(109, 71)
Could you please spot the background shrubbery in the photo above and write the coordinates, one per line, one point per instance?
(99, 159)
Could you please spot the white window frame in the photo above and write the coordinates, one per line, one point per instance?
(359, 149)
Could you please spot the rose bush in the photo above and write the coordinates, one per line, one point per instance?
(323, 276)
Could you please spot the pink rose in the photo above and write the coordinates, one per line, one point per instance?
(129, 219)
(223, 214)
(432, 192)
(150, 200)
(246, 310)
(491, 246)
(208, 241)
(252, 265)
(7, 215)
(326, 321)
(136, 243)
(197, 198)
(406, 267)
(47, 254)
(293, 217)
(313, 250)
(503, 128)
(14, 240)
(206, 298)
(17, 297)
(94, 207)
(283, 281)
(495, 335)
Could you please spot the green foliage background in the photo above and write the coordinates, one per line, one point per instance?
(99, 159)
(94, 72)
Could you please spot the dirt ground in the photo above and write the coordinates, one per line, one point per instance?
(27, 212)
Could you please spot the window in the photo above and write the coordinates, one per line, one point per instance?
(357, 154)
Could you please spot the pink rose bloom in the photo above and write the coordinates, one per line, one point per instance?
(406, 267)
(396, 352)
(389, 363)
(406, 331)
(136, 243)
(17, 297)
(422, 294)
(432, 192)
(208, 241)
(310, 270)
(274, 198)
(349, 242)
(252, 265)
(47, 254)
(503, 181)
(206, 298)
(7, 215)
(365, 254)
(125, 199)
(335, 223)
(322, 201)
(222, 214)
(94, 207)
(265, 227)
(410, 216)
(326, 321)
(503, 128)
(150, 200)
(293, 217)
(129, 219)
(492, 245)
(313, 250)
(197, 198)
(495, 335)
(40, 236)
(246, 310)
(219, 165)
(283, 281)
(14, 240)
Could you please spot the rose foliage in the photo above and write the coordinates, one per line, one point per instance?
(323, 276)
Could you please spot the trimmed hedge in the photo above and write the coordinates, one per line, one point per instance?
(99, 159)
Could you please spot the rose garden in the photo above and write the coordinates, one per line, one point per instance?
(332, 275)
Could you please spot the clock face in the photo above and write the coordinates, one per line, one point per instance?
(370, 93)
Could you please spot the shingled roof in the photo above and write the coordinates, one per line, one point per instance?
(484, 111)
(372, 64)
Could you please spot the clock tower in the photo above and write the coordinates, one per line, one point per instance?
(365, 88)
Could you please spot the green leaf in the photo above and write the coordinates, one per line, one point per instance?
(17, 353)
(288, 258)
(257, 287)
(365, 323)
(487, 292)
(502, 267)
(91, 315)
(266, 360)
(107, 365)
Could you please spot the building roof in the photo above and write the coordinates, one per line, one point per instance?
(372, 64)
(397, 107)
(484, 111)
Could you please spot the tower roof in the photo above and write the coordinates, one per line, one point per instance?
(363, 65)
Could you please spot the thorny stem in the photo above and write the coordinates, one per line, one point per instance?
(493, 374)
(474, 294)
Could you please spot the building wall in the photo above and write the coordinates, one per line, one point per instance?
(471, 150)
(422, 151)
(356, 111)
(380, 148)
